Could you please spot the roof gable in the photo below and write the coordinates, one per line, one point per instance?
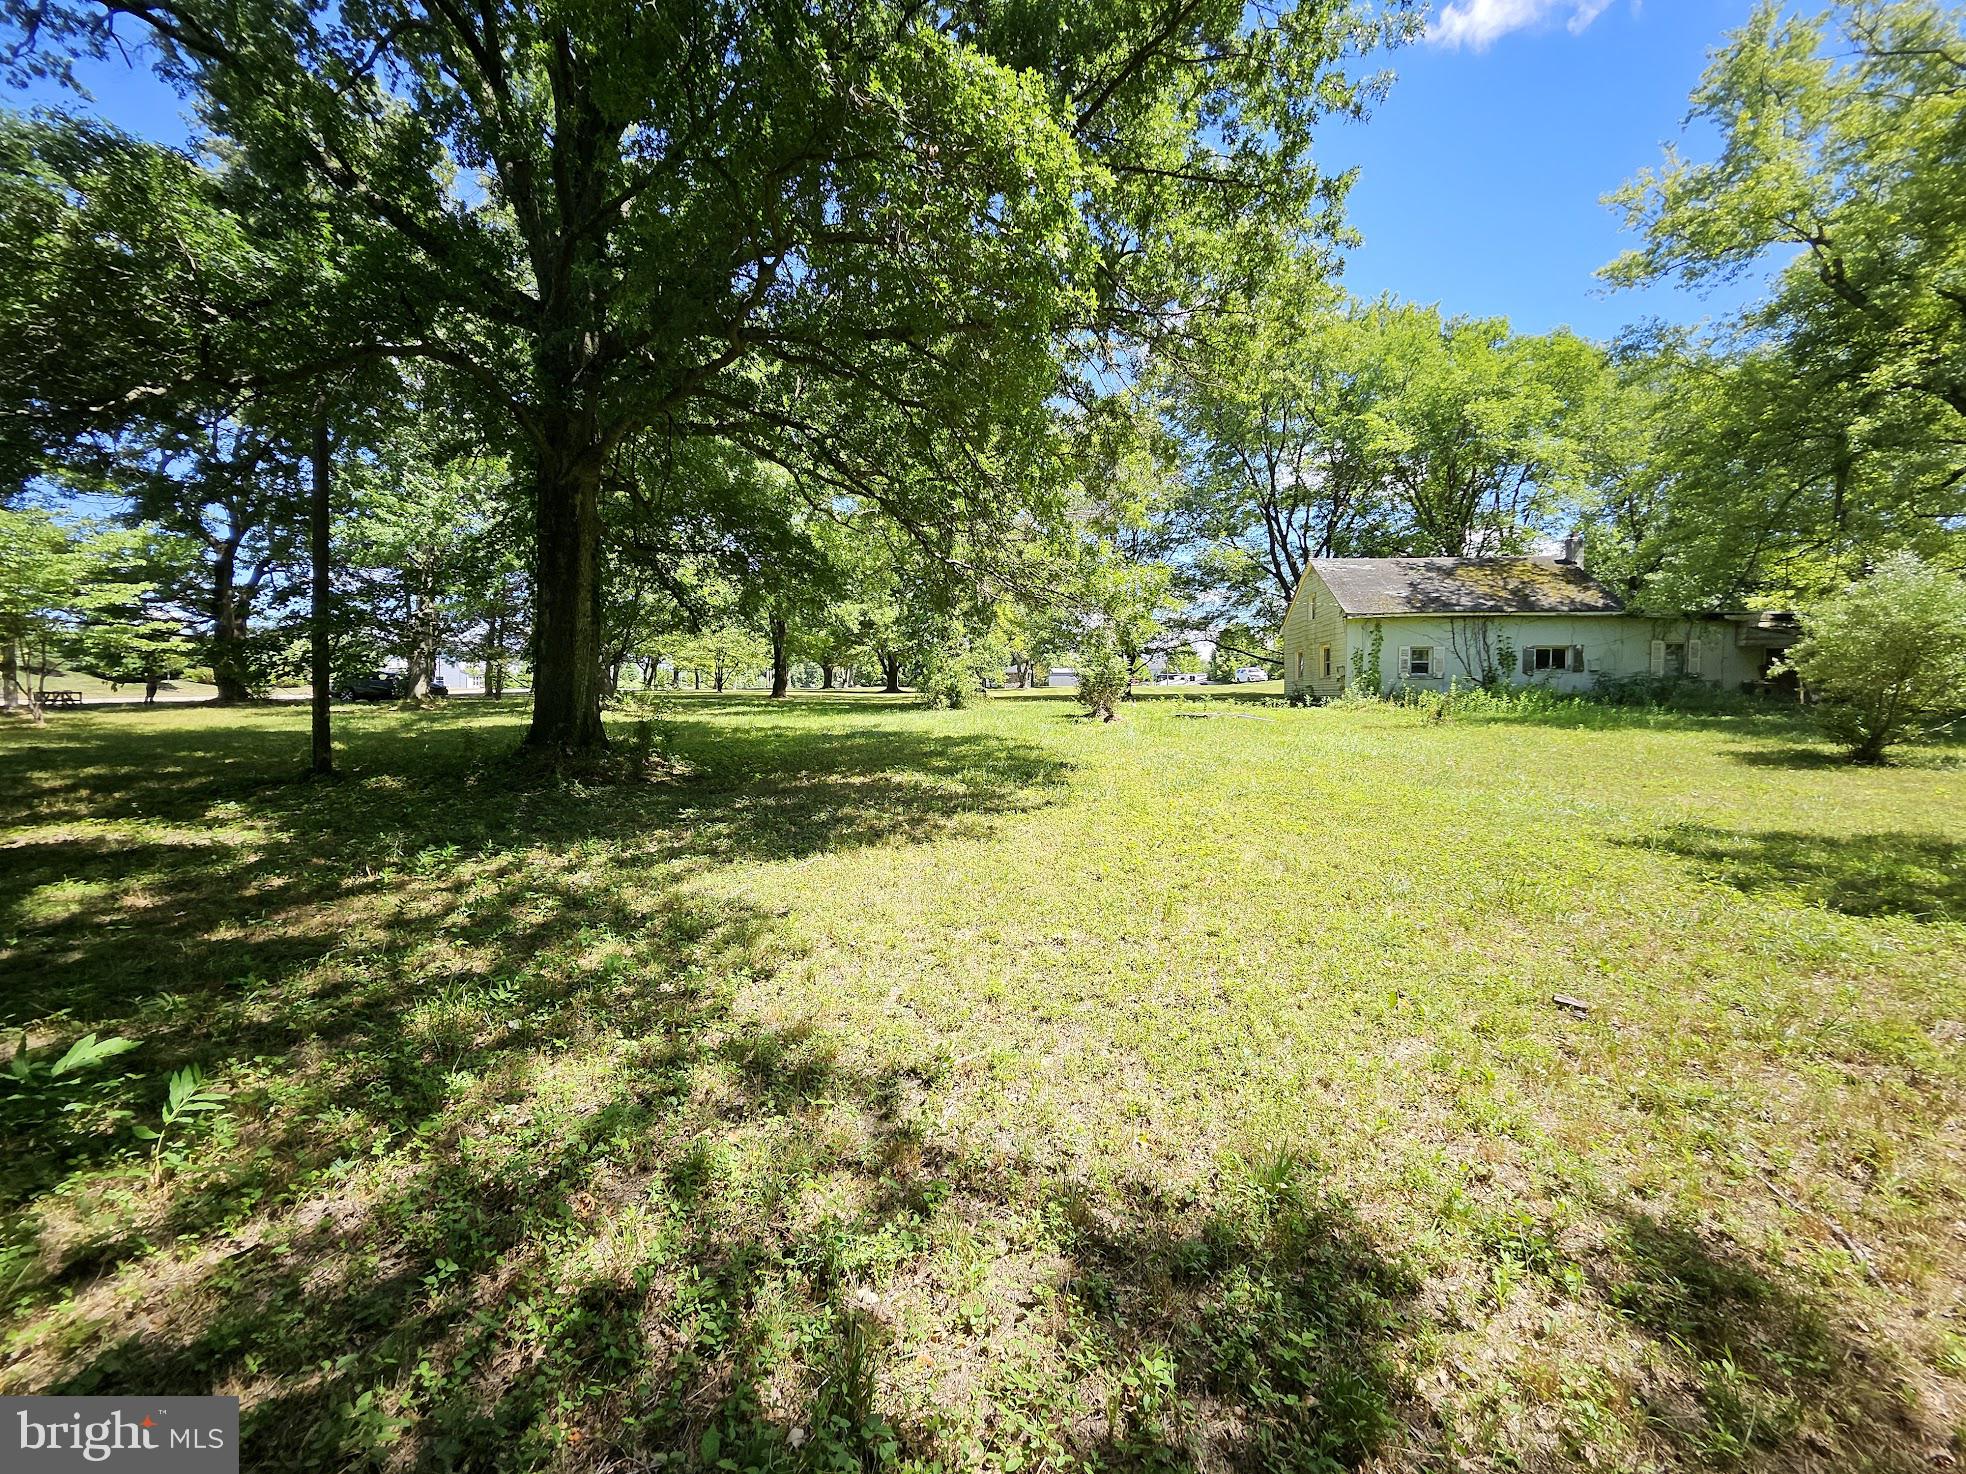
(1368, 586)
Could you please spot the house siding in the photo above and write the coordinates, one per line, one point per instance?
(1313, 621)
(1615, 646)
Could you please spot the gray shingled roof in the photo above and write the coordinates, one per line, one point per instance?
(1463, 586)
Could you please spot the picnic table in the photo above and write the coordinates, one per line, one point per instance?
(61, 698)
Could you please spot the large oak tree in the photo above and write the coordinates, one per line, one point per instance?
(610, 217)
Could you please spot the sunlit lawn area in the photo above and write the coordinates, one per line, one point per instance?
(991, 1088)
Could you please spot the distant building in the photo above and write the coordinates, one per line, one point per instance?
(1061, 675)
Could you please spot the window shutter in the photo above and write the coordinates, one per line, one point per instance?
(1658, 657)
(1692, 657)
(1577, 658)
(1405, 662)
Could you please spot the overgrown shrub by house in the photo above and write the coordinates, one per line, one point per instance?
(1886, 658)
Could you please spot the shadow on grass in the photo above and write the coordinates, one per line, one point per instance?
(507, 1176)
(1920, 876)
(1756, 1372)
(1936, 757)
(1263, 1329)
(1803, 759)
(512, 1175)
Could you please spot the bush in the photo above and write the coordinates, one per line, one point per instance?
(658, 702)
(948, 678)
(1886, 658)
(1103, 679)
(1679, 693)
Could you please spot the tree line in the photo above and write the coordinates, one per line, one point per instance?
(930, 342)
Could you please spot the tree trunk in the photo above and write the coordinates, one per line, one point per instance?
(717, 677)
(317, 615)
(825, 676)
(890, 673)
(37, 694)
(10, 692)
(229, 671)
(566, 677)
(495, 652)
(420, 660)
(781, 660)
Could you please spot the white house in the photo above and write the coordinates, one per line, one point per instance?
(1061, 675)
(1440, 621)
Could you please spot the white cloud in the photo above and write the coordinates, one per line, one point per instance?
(1477, 23)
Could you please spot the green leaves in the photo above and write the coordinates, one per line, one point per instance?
(1887, 657)
(1316, 426)
(1826, 427)
(190, 1095)
(84, 1054)
(88, 1052)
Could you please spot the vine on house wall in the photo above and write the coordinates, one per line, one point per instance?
(1365, 664)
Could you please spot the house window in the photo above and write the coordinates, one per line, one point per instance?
(1327, 661)
(1553, 657)
(1676, 658)
(1300, 665)
(1420, 661)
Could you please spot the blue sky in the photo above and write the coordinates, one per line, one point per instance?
(1481, 173)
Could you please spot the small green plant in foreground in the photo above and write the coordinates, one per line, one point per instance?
(189, 1096)
(85, 1053)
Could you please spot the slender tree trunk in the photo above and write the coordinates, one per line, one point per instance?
(10, 693)
(37, 694)
(318, 553)
(781, 660)
(495, 652)
(566, 695)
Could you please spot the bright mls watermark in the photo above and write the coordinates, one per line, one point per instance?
(156, 1435)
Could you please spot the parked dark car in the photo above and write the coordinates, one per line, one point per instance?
(368, 688)
(439, 686)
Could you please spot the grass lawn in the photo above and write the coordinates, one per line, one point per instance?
(993, 1089)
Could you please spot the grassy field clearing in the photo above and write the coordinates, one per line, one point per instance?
(993, 1089)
